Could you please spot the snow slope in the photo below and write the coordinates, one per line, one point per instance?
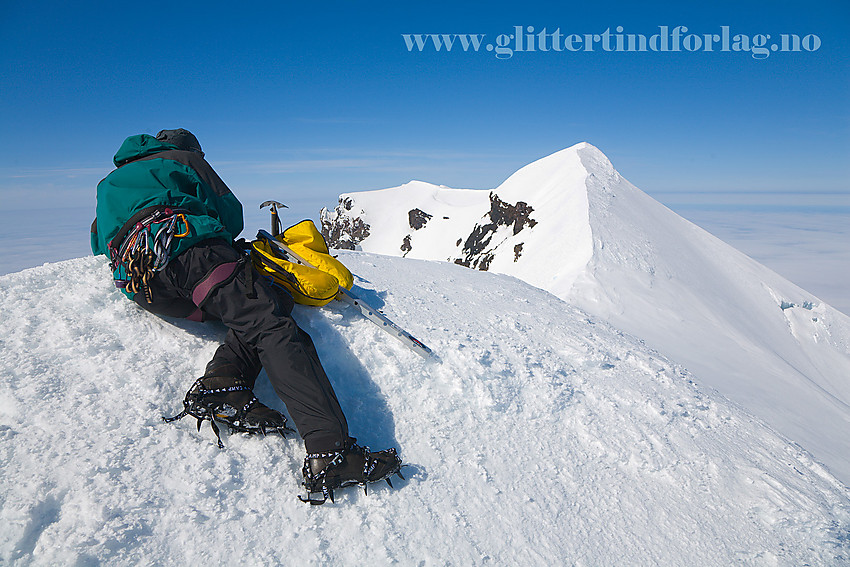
(544, 436)
(570, 224)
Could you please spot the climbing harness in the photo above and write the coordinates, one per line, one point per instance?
(143, 247)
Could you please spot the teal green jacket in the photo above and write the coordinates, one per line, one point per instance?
(151, 173)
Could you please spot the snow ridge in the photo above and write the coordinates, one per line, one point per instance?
(598, 242)
(544, 436)
(509, 230)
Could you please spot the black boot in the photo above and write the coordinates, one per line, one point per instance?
(231, 401)
(323, 472)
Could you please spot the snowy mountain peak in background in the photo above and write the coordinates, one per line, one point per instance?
(569, 223)
(507, 230)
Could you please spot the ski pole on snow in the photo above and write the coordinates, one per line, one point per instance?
(347, 296)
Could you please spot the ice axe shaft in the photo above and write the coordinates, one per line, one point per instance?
(347, 296)
(276, 226)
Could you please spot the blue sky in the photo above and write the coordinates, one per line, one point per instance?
(288, 98)
(301, 102)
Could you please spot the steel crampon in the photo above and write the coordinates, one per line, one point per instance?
(337, 472)
(200, 404)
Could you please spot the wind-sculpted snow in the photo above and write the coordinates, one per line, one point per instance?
(587, 235)
(544, 436)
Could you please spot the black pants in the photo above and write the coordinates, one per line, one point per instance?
(262, 334)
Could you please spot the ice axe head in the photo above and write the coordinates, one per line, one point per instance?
(276, 226)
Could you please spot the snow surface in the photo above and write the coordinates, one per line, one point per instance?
(812, 249)
(545, 436)
(602, 245)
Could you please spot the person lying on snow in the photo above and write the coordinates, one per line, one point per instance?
(168, 222)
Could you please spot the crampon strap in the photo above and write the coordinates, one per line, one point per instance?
(192, 405)
(316, 484)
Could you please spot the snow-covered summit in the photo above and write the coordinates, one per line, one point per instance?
(544, 437)
(508, 230)
(569, 223)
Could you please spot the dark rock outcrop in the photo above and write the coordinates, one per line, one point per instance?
(342, 230)
(477, 252)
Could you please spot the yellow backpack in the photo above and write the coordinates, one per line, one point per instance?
(308, 286)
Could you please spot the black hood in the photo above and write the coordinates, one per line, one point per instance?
(181, 138)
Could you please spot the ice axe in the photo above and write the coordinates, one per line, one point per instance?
(348, 296)
(276, 226)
